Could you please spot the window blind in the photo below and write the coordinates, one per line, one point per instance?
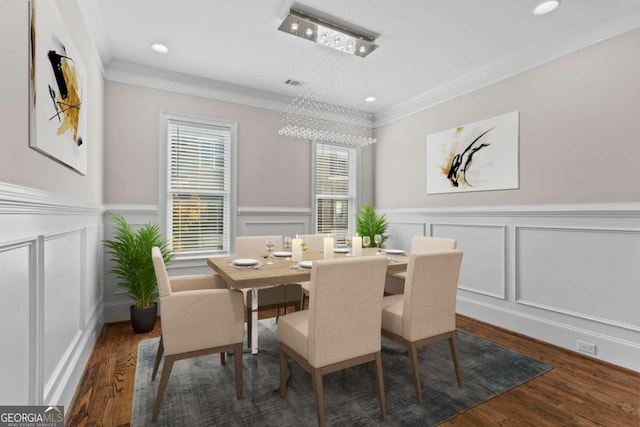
(335, 189)
(199, 186)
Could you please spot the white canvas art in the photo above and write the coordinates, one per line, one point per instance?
(478, 156)
(58, 112)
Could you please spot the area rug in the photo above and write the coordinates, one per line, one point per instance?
(201, 391)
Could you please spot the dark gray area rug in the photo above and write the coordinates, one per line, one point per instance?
(201, 391)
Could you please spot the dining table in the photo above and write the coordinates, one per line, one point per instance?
(278, 270)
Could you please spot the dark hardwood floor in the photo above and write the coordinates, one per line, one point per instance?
(578, 391)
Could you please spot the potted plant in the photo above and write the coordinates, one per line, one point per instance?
(130, 251)
(369, 224)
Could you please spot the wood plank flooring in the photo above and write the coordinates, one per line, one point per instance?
(578, 391)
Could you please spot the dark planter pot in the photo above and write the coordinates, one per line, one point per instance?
(143, 319)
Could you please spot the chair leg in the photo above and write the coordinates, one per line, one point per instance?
(380, 384)
(317, 388)
(237, 355)
(249, 323)
(222, 358)
(278, 313)
(453, 345)
(413, 359)
(283, 374)
(157, 362)
(164, 379)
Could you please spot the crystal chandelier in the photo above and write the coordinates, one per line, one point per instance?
(326, 109)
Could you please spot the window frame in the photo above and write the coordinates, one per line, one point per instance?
(164, 170)
(358, 184)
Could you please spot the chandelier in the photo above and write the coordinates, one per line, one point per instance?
(326, 109)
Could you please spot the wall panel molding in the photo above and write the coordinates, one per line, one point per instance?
(557, 273)
(51, 237)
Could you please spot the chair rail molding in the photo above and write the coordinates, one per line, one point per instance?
(558, 273)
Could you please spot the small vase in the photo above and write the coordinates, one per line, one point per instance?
(143, 319)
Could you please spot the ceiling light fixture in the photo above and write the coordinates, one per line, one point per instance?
(546, 7)
(160, 48)
(327, 34)
(370, 99)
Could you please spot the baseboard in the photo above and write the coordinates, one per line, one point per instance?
(610, 349)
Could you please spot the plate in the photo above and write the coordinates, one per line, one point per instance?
(305, 264)
(282, 254)
(341, 250)
(244, 262)
(394, 251)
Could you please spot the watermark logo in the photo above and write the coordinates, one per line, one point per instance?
(32, 416)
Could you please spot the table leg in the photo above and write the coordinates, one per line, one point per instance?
(254, 321)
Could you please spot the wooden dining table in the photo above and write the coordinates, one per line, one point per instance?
(281, 270)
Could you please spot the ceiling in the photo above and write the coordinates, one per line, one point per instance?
(429, 50)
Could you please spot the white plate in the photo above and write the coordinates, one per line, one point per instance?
(341, 250)
(282, 254)
(394, 251)
(244, 262)
(305, 264)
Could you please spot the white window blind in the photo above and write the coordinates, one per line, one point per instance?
(199, 187)
(335, 189)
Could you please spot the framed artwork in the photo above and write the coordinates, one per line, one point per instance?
(58, 86)
(479, 156)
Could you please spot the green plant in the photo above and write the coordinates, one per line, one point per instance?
(369, 224)
(130, 251)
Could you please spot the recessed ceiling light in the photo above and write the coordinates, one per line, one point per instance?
(370, 99)
(160, 48)
(546, 7)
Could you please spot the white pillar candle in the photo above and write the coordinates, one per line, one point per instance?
(328, 247)
(356, 246)
(296, 250)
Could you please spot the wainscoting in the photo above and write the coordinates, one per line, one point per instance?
(51, 284)
(558, 273)
(561, 273)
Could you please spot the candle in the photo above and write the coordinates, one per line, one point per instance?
(328, 247)
(356, 246)
(296, 250)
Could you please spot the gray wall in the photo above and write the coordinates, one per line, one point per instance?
(273, 170)
(578, 136)
(20, 164)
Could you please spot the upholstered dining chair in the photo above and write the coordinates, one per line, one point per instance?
(426, 312)
(199, 316)
(315, 243)
(340, 328)
(395, 281)
(281, 296)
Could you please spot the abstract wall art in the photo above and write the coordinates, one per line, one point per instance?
(479, 156)
(58, 116)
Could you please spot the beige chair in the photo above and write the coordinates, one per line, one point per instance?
(426, 312)
(315, 244)
(341, 327)
(276, 297)
(395, 281)
(199, 316)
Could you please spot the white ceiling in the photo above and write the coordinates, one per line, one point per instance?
(429, 49)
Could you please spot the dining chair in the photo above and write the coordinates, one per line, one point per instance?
(341, 327)
(426, 312)
(200, 316)
(276, 297)
(315, 243)
(395, 281)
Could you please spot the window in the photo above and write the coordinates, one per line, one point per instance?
(198, 185)
(335, 189)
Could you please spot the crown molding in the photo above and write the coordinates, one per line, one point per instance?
(546, 51)
(154, 78)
